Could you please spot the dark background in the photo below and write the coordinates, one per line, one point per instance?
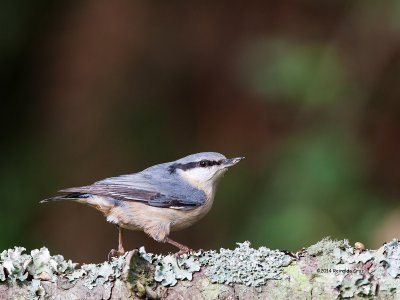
(307, 91)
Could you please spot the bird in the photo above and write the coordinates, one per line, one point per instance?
(158, 200)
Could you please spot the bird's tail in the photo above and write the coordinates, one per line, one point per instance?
(71, 196)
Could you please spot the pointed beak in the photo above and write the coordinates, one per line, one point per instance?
(231, 161)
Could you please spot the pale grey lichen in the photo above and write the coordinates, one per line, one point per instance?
(38, 264)
(43, 263)
(169, 268)
(351, 282)
(346, 255)
(14, 263)
(35, 290)
(356, 273)
(391, 258)
(346, 272)
(338, 263)
(326, 245)
(388, 258)
(98, 274)
(17, 266)
(244, 265)
(363, 257)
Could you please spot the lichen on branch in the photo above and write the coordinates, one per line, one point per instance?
(328, 269)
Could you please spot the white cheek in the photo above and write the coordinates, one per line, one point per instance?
(199, 174)
(203, 178)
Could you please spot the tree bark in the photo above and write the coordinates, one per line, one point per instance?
(328, 269)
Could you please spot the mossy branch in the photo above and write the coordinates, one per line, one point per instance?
(328, 269)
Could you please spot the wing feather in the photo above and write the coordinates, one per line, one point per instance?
(164, 192)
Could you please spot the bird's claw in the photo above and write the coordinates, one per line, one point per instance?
(187, 250)
(182, 251)
(115, 253)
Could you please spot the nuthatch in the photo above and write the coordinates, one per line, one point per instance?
(160, 199)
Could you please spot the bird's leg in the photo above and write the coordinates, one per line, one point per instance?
(121, 250)
(120, 247)
(182, 248)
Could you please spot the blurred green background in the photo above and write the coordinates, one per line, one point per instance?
(307, 91)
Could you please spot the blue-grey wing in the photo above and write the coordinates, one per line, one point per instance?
(164, 190)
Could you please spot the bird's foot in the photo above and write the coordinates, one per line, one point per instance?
(182, 250)
(115, 253)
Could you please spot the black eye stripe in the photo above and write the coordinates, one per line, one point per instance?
(208, 163)
(202, 164)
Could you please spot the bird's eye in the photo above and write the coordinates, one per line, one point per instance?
(203, 163)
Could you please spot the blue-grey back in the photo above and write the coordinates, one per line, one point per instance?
(156, 185)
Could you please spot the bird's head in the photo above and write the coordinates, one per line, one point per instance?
(204, 169)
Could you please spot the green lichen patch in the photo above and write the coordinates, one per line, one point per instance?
(302, 280)
(211, 290)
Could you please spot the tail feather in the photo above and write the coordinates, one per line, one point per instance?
(71, 196)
